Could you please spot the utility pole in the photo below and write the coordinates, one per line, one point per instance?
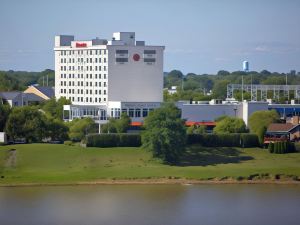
(242, 88)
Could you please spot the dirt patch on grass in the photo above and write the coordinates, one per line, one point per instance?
(11, 158)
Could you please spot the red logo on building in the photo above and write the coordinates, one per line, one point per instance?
(136, 57)
(80, 45)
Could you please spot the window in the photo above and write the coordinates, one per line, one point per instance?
(61, 83)
(104, 60)
(124, 111)
(104, 68)
(99, 99)
(121, 51)
(96, 60)
(121, 59)
(149, 59)
(91, 100)
(91, 68)
(95, 99)
(104, 84)
(104, 76)
(137, 113)
(131, 112)
(96, 76)
(105, 92)
(91, 92)
(150, 52)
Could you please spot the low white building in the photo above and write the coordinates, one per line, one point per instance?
(209, 111)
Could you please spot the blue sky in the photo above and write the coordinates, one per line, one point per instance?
(201, 36)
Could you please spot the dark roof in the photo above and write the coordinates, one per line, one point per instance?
(48, 91)
(9, 95)
(33, 97)
(280, 127)
(14, 94)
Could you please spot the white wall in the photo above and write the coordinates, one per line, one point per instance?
(135, 81)
(206, 112)
(3, 137)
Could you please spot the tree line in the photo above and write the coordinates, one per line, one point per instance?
(195, 87)
(20, 80)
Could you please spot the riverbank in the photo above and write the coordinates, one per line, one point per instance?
(51, 164)
(158, 182)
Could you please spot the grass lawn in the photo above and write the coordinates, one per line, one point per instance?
(53, 163)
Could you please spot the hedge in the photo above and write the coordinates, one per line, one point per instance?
(281, 147)
(113, 140)
(224, 140)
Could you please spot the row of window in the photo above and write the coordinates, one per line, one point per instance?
(146, 52)
(122, 60)
(87, 76)
(80, 91)
(83, 52)
(131, 112)
(80, 83)
(81, 60)
(80, 99)
(88, 68)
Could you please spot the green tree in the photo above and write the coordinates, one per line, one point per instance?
(110, 126)
(57, 130)
(54, 108)
(230, 125)
(78, 128)
(26, 122)
(220, 89)
(117, 125)
(260, 120)
(4, 113)
(196, 129)
(165, 133)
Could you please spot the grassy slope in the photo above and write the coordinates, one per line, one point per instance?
(62, 164)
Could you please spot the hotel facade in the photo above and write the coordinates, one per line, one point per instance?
(105, 78)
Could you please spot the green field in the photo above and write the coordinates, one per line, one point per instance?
(52, 163)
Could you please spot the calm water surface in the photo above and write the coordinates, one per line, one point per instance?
(151, 204)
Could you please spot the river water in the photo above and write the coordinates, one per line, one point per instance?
(151, 204)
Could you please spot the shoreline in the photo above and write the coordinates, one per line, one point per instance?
(156, 182)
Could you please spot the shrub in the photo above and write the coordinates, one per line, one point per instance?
(249, 140)
(271, 147)
(282, 147)
(113, 140)
(223, 140)
(70, 143)
(130, 140)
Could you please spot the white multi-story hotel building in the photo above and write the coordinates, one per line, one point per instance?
(104, 78)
